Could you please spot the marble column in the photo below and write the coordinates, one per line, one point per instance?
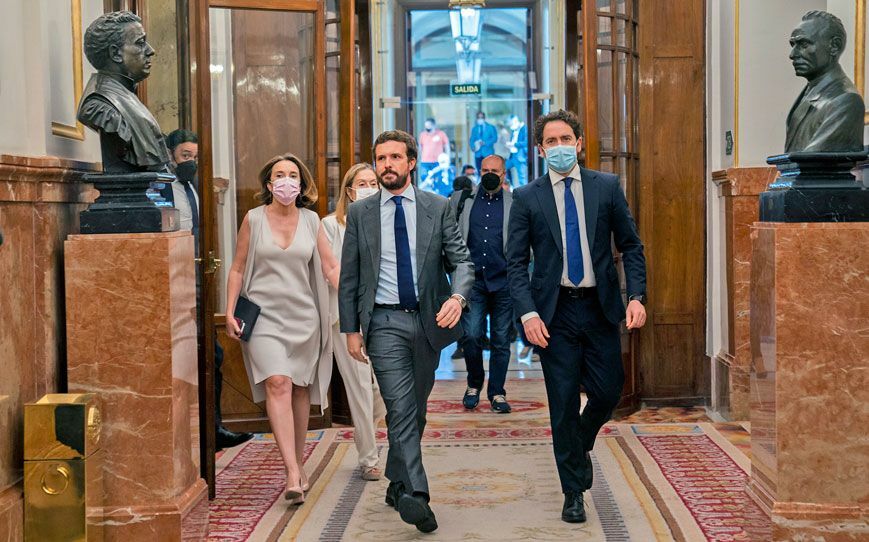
(739, 188)
(40, 199)
(810, 378)
(131, 334)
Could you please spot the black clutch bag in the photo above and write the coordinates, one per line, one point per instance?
(246, 313)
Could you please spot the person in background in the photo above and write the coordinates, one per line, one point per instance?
(469, 171)
(483, 138)
(483, 223)
(440, 179)
(280, 259)
(433, 142)
(518, 147)
(363, 394)
(184, 149)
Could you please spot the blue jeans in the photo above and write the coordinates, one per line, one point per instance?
(498, 306)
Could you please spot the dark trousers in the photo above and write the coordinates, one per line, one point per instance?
(218, 382)
(404, 363)
(498, 306)
(584, 348)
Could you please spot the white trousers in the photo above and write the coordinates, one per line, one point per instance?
(363, 394)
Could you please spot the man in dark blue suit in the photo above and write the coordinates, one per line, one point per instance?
(571, 306)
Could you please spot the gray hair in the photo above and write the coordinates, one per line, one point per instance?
(105, 31)
(832, 25)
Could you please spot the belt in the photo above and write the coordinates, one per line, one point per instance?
(579, 293)
(396, 307)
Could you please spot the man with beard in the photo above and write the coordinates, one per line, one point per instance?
(483, 220)
(397, 305)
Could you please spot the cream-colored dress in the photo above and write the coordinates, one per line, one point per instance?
(289, 287)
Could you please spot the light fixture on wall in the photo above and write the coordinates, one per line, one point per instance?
(466, 25)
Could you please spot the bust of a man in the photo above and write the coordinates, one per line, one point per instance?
(130, 138)
(828, 114)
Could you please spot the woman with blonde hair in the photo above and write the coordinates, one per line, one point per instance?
(278, 266)
(363, 394)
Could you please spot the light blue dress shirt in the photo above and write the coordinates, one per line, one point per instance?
(387, 286)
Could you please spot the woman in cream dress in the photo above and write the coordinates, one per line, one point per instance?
(366, 405)
(278, 266)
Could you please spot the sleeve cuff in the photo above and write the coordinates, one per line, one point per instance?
(529, 315)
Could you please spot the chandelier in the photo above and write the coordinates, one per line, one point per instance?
(465, 23)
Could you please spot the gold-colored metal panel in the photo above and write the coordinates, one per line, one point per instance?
(63, 499)
(62, 426)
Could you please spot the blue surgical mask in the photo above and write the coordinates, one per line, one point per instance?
(561, 158)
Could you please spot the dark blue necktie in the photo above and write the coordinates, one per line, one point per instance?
(194, 210)
(575, 271)
(406, 291)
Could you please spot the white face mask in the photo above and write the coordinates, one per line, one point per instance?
(363, 192)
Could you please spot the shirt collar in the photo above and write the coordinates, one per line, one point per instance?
(556, 177)
(481, 193)
(408, 194)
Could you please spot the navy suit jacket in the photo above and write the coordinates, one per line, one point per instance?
(534, 226)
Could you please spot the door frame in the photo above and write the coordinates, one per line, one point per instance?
(200, 83)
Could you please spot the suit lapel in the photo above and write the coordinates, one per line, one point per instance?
(508, 201)
(371, 230)
(590, 199)
(425, 225)
(466, 214)
(546, 200)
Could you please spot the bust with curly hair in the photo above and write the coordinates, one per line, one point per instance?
(130, 138)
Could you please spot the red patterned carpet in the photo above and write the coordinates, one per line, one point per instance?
(666, 474)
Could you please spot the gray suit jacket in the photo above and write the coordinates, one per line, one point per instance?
(438, 244)
(465, 218)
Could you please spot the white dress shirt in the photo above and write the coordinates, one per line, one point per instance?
(576, 189)
(183, 205)
(588, 279)
(387, 285)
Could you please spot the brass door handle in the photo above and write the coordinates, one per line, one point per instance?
(212, 265)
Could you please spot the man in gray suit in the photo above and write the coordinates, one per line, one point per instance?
(398, 249)
(483, 217)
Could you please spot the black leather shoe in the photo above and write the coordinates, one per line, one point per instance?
(574, 508)
(471, 398)
(228, 439)
(416, 511)
(393, 492)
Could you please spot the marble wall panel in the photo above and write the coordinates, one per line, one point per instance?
(39, 203)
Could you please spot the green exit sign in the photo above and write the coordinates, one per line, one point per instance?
(465, 89)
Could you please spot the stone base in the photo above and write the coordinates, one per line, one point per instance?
(131, 338)
(185, 518)
(826, 522)
(815, 205)
(808, 378)
(130, 220)
(130, 203)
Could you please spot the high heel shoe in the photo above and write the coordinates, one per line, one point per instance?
(305, 485)
(298, 500)
(294, 492)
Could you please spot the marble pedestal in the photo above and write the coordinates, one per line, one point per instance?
(810, 378)
(131, 338)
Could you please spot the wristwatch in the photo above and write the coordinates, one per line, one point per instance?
(462, 301)
(638, 297)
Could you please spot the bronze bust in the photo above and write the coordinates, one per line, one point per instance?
(130, 138)
(828, 114)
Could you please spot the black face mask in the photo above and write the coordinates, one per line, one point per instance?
(186, 171)
(490, 181)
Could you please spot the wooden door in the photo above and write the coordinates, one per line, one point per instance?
(672, 202)
(602, 63)
(257, 78)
